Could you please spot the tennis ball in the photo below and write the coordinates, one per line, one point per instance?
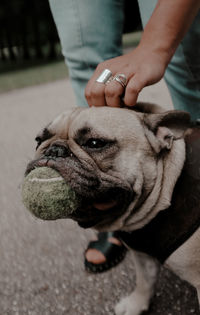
(46, 194)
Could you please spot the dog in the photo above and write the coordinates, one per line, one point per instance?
(137, 172)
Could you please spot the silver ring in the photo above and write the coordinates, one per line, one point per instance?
(104, 76)
(109, 80)
(121, 78)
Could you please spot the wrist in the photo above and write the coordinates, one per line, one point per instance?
(163, 47)
(156, 51)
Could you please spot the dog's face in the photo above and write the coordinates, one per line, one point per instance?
(108, 156)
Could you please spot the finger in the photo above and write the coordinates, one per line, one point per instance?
(95, 94)
(113, 93)
(88, 94)
(95, 91)
(134, 87)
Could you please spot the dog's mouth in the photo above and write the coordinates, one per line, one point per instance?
(98, 205)
(103, 210)
(103, 206)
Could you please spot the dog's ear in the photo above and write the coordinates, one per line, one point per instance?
(163, 128)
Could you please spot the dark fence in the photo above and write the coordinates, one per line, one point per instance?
(27, 30)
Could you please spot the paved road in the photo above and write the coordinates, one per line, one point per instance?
(41, 265)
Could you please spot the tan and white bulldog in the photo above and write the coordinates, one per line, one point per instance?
(132, 170)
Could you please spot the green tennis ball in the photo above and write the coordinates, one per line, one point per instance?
(46, 194)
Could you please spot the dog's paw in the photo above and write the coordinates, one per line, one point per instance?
(131, 305)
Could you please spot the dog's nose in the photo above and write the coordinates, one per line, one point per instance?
(56, 151)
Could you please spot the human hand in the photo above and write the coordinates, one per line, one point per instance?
(141, 68)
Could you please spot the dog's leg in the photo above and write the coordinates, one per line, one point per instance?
(146, 274)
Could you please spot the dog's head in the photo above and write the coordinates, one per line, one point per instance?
(109, 156)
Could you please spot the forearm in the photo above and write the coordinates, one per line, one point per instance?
(167, 26)
(146, 64)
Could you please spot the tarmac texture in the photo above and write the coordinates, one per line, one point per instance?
(41, 263)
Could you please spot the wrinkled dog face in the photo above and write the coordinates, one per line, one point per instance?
(106, 156)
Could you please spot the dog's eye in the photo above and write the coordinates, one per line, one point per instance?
(93, 143)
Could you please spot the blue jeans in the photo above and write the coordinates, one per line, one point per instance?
(91, 32)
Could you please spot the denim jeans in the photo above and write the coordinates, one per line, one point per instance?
(91, 32)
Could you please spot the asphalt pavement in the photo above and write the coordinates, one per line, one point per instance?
(41, 263)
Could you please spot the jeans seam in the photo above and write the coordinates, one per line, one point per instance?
(79, 28)
(186, 61)
(187, 64)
